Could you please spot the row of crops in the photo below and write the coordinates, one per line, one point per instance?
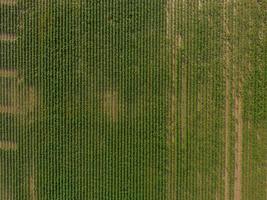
(102, 75)
(74, 53)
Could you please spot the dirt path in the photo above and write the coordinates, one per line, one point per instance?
(239, 142)
(227, 63)
(8, 37)
(174, 43)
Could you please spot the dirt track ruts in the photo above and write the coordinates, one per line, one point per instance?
(174, 43)
(239, 142)
(226, 60)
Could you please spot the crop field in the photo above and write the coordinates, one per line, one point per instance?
(133, 100)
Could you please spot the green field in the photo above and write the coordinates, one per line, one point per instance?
(122, 99)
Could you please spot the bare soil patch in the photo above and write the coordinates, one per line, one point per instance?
(8, 37)
(111, 104)
(8, 145)
(8, 73)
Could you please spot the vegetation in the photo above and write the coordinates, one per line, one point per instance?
(101, 78)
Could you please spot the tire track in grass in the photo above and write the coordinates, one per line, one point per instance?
(174, 43)
(237, 93)
(238, 109)
(226, 59)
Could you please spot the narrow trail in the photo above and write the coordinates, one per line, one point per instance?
(238, 106)
(237, 86)
(227, 63)
(174, 43)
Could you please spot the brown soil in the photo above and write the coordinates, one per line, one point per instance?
(8, 37)
(8, 145)
(111, 104)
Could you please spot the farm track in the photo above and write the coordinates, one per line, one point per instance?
(238, 119)
(239, 143)
(174, 43)
(226, 59)
(232, 87)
